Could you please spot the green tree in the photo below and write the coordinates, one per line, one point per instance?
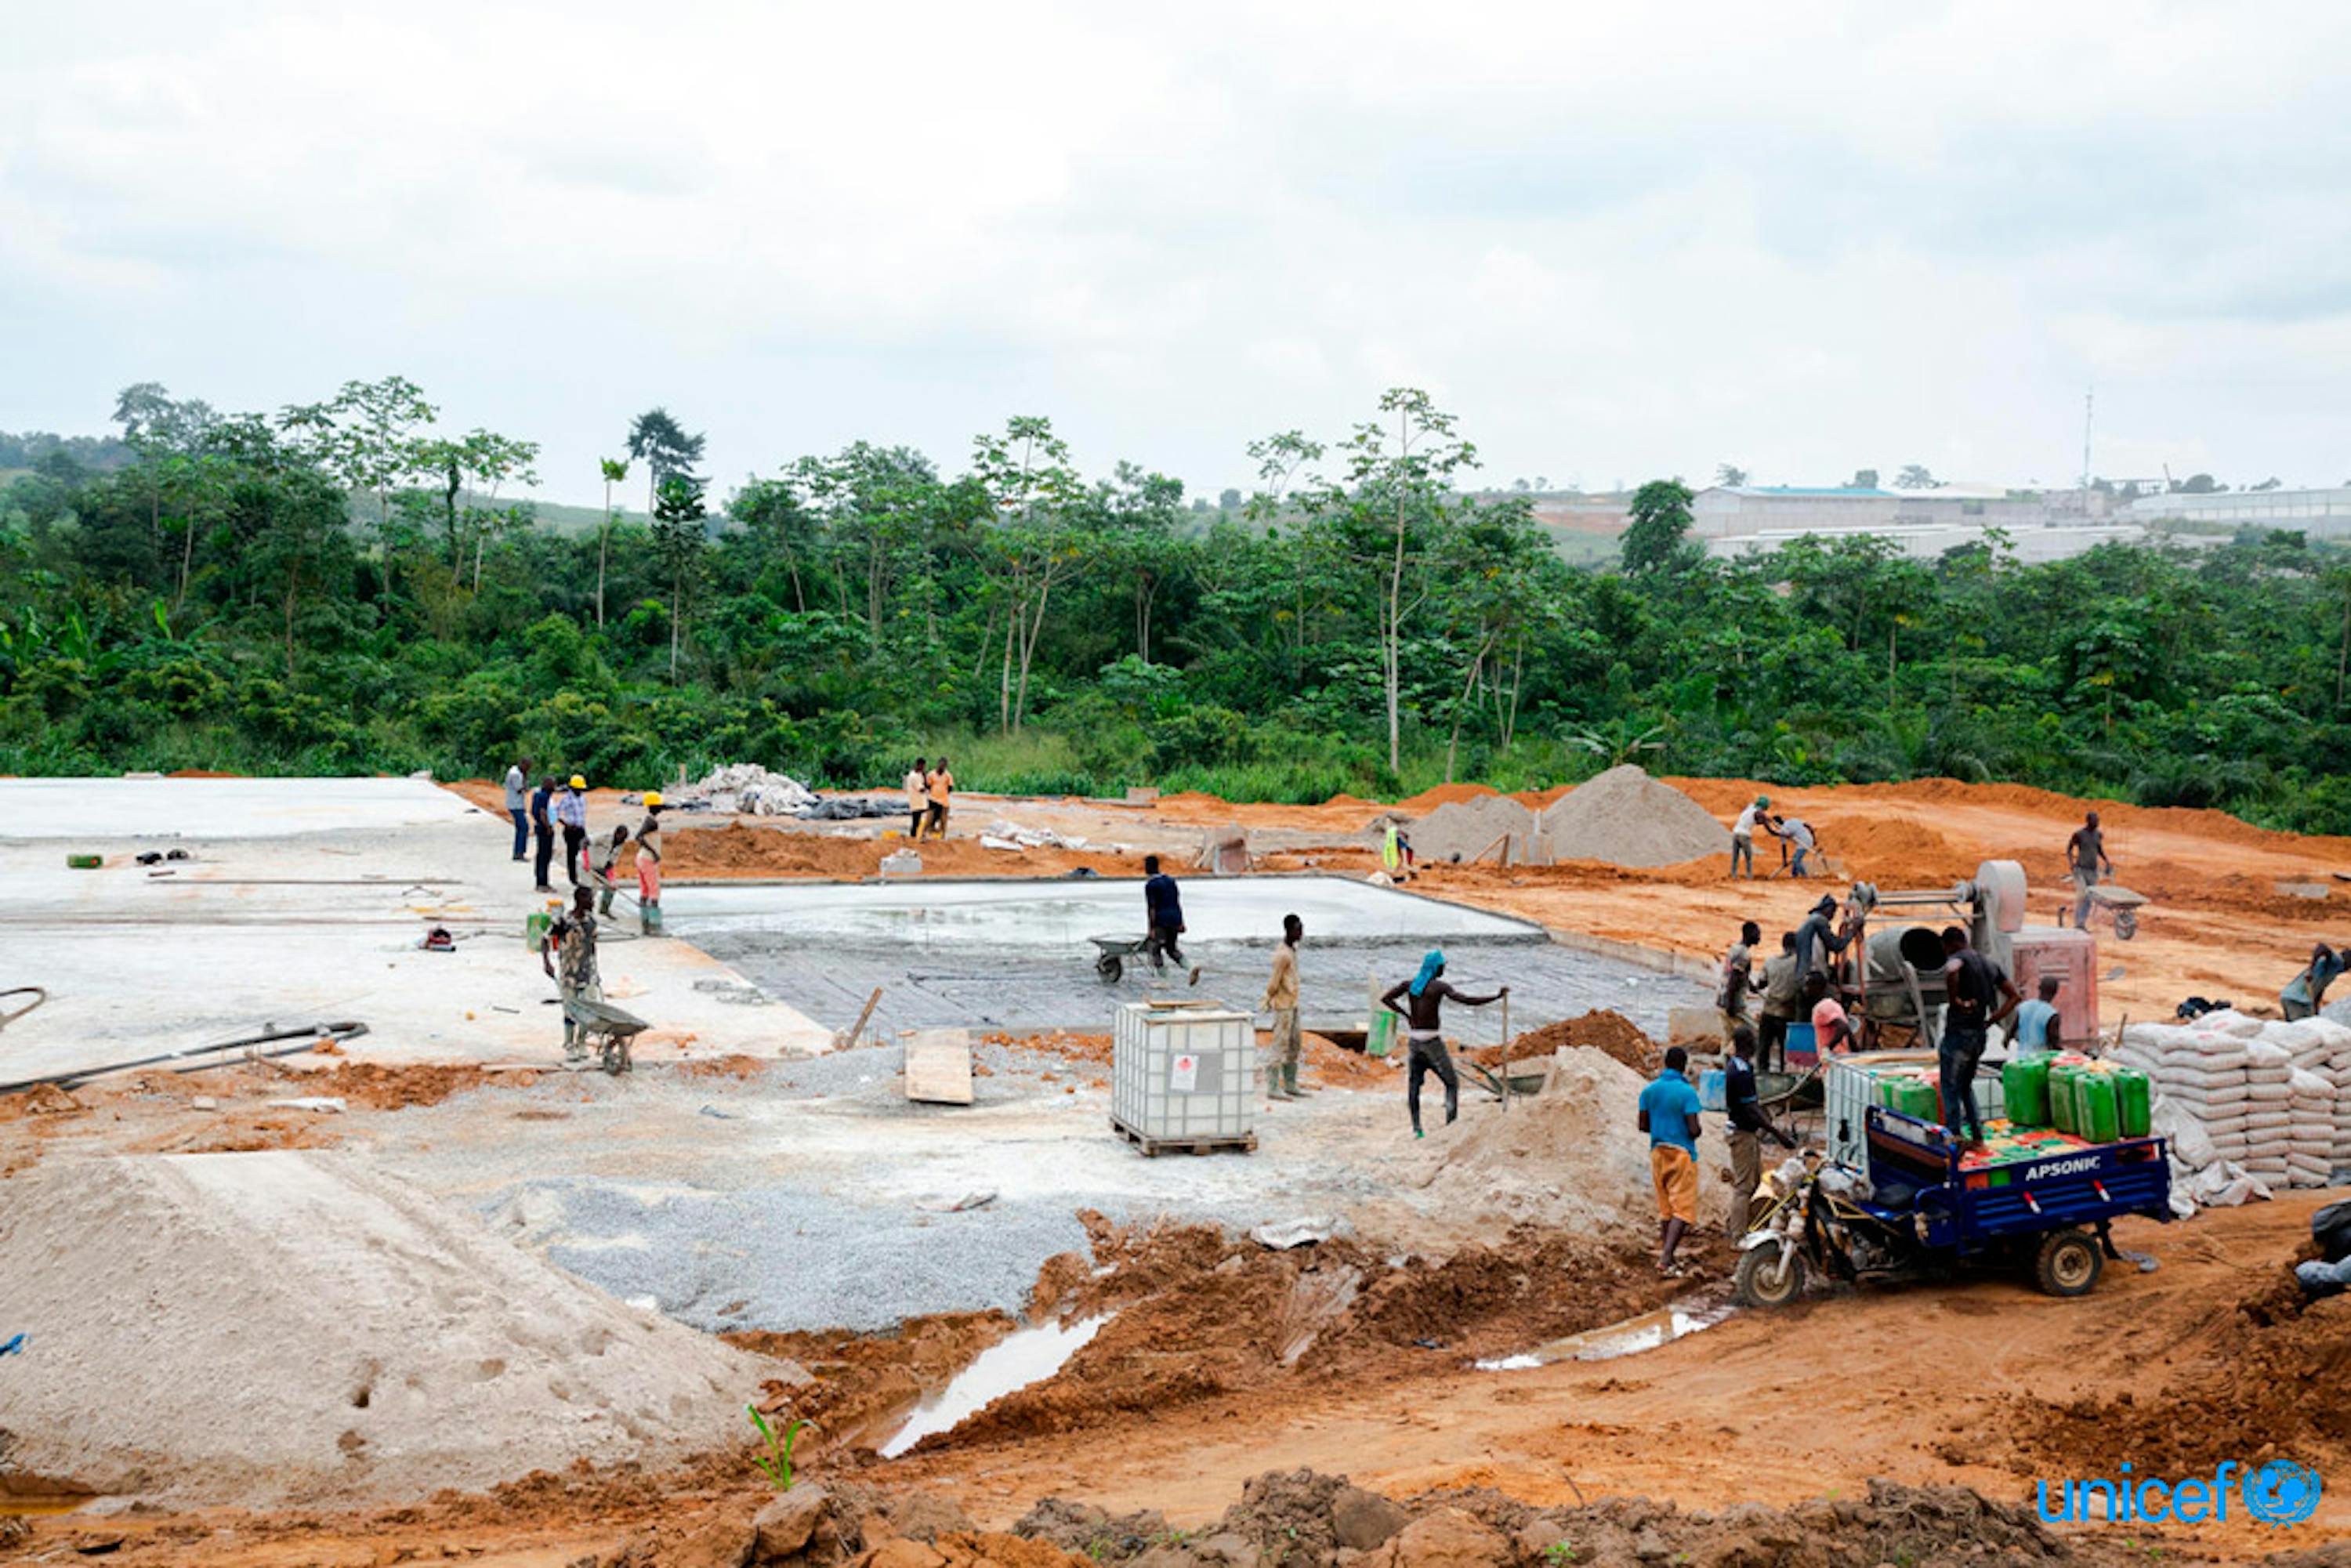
(1656, 528)
(1730, 474)
(662, 444)
(678, 537)
(1914, 476)
(616, 472)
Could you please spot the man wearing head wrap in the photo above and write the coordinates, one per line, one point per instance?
(1425, 996)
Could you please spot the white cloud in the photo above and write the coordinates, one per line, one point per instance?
(1617, 241)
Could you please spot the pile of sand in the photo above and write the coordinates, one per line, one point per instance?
(285, 1327)
(1461, 829)
(1624, 817)
(1603, 1028)
(1573, 1155)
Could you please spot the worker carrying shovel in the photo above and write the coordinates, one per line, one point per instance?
(1426, 995)
(570, 960)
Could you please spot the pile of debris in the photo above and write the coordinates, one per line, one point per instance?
(745, 787)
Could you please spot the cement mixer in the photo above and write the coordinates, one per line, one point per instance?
(1896, 982)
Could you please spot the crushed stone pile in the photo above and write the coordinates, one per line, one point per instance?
(284, 1327)
(1573, 1155)
(1626, 818)
(1458, 831)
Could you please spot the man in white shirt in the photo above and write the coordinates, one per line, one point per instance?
(518, 806)
(1743, 836)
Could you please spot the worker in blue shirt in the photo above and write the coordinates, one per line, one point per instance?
(1163, 913)
(2306, 992)
(2037, 1018)
(1669, 1109)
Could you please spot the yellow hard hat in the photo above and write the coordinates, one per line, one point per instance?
(578, 782)
(653, 798)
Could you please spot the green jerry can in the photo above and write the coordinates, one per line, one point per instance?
(535, 928)
(2061, 1096)
(2135, 1103)
(2025, 1089)
(2096, 1115)
(1917, 1097)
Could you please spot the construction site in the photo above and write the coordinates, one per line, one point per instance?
(908, 1209)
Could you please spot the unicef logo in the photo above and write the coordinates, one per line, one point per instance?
(2282, 1492)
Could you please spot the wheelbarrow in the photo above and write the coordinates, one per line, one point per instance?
(11, 1009)
(606, 1030)
(2120, 903)
(1110, 954)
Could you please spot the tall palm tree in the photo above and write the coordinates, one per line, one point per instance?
(615, 472)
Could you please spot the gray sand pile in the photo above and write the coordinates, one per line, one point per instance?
(282, 1327)
(1624, 817)
(1572, 1157)
(1463, 828)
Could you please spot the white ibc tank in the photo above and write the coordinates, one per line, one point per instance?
(1184, 1072)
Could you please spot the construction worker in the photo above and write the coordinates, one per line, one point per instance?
(1745, 1112)
(518, 806)
(2036, 1020)
(542, 827)
(1669, 1111)
(1781, 997)
(918, 797)
(1817, 941)
(1738, 977)
(1972, 982)
(1798, 833)
(938, 786)
(1281, 999)
(571, 815)
(607, 867)
(570, 960)
(649, 865)
(1743, 836)
(2086, 861)
(2306, 992)
(1423, 1011)
(1163, 918)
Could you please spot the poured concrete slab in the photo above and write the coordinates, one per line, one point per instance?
(1063, 913)
(323, 924)
(73, 808)
(1016, 955)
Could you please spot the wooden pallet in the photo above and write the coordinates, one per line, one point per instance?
(1154, 1147)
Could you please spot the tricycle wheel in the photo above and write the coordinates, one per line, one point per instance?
(1769, 1276)
(2126, 924)
(1109, 968)
(2067, 1263)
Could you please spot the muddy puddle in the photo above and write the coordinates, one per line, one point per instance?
(1020, 1359)
(1669, 1323)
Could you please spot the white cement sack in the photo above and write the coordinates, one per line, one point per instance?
(2184, 1135)
(2229, 1020)
(2306, 1084)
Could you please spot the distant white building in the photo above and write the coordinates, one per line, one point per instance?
(1755, 519)
(2322, 514)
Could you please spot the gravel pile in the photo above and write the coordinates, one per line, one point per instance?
(1626, 818)
(286, 1326)
(1462, 829)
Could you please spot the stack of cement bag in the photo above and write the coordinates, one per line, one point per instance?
(2265, 1098)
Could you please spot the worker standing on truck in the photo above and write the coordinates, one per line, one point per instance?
(1281, 999)
(2086, 858)
(2306, 992)
(1745, 1111)
(1669, 1109)
(1743, 836)
(1972, 983)
(1782, 999)
(570, 960)
(1423, 1009)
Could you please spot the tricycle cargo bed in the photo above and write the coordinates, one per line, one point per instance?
(1970, 1201)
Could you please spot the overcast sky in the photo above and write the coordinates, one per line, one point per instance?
(1618, 241)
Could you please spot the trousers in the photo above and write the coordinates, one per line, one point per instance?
(1742, 849)
(545, 854)
(1957, 1058)
(1746, 1175)
(522, 830)
(575, 844)
(1429, 1055)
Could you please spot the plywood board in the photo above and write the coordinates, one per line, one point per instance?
(938, 1066)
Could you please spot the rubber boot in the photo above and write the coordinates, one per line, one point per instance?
(1289, 1081)
(1273, 1090)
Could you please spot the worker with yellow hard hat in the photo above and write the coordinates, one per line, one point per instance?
(649, 861)
(571, 815)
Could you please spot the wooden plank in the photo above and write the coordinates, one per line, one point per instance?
(938, 1066)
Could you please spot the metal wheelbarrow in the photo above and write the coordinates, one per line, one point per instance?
(1110, 954)
(607, 1031)
(2119, 902)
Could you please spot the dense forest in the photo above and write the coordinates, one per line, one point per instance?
(338, 588)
